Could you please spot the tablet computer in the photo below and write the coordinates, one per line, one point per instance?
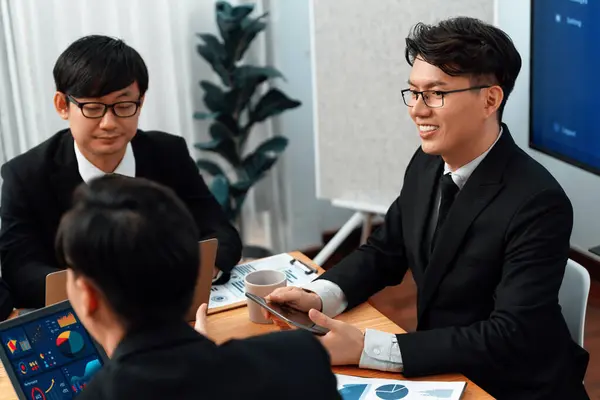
(299, 319)
(48, 354)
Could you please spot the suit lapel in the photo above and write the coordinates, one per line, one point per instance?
(142, 151)
(425, 195)
(66, 176)
(482, 187)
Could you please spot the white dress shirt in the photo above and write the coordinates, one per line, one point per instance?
(89, 171)
(381, 350)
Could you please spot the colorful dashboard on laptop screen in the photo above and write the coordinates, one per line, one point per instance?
(53, 357)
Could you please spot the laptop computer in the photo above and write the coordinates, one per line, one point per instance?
(48, 354)
(56, 282)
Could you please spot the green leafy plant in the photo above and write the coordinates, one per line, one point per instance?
(237, 106)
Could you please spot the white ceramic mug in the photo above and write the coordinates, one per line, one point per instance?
(262, 283)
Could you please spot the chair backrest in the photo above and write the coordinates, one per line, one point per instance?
(573, 297)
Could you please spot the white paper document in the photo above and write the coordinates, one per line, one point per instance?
(355, 388)
(234, 290)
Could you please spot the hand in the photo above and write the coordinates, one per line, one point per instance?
(200, 325)
(295, 297)
(343, 342)
(292, 297)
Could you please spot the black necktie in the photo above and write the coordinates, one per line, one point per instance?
(448, 190)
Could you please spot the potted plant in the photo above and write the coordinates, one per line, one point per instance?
(236, 106)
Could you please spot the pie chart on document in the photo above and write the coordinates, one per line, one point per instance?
(391, 392)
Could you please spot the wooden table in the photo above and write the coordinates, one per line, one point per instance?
(235, 324)
(230, 324)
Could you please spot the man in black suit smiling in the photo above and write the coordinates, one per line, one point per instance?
(483, 227)
(100, 89)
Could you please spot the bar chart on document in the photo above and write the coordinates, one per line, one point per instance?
(234, 290)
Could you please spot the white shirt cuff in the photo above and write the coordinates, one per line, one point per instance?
(332, 297)
(381, 352)
(218, 276)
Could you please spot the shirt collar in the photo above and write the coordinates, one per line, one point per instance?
(89, 171)
(461, 175)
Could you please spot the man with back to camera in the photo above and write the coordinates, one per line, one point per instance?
(100, 89)
(483, 227)
(115, 241)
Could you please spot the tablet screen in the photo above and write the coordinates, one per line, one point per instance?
(53, 357)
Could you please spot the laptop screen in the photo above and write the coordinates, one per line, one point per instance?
(53, 356)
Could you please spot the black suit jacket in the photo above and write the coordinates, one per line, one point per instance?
(175, 362)
(37, 190)
(6, 304)
(488, 293)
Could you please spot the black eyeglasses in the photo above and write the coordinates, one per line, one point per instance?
(121, 109)
(432, 98)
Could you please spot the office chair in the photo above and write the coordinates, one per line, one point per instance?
(573, 297)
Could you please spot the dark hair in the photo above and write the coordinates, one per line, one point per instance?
(95, 66)
(465, 46)
(137, 242)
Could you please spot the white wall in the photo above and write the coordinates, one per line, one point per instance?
(583, 188)
(289, 34)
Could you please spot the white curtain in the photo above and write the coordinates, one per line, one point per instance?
(11, 122)
(34, 33)
(163, 31)
(265, 217)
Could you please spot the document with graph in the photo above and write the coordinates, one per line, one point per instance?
(355, 388)
(233, 292)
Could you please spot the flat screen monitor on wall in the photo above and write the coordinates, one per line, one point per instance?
(565, 81)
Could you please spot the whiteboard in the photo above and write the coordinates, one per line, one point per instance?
(364, 137)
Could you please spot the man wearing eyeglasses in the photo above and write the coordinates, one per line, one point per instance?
(100, 88)
(483, 227)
